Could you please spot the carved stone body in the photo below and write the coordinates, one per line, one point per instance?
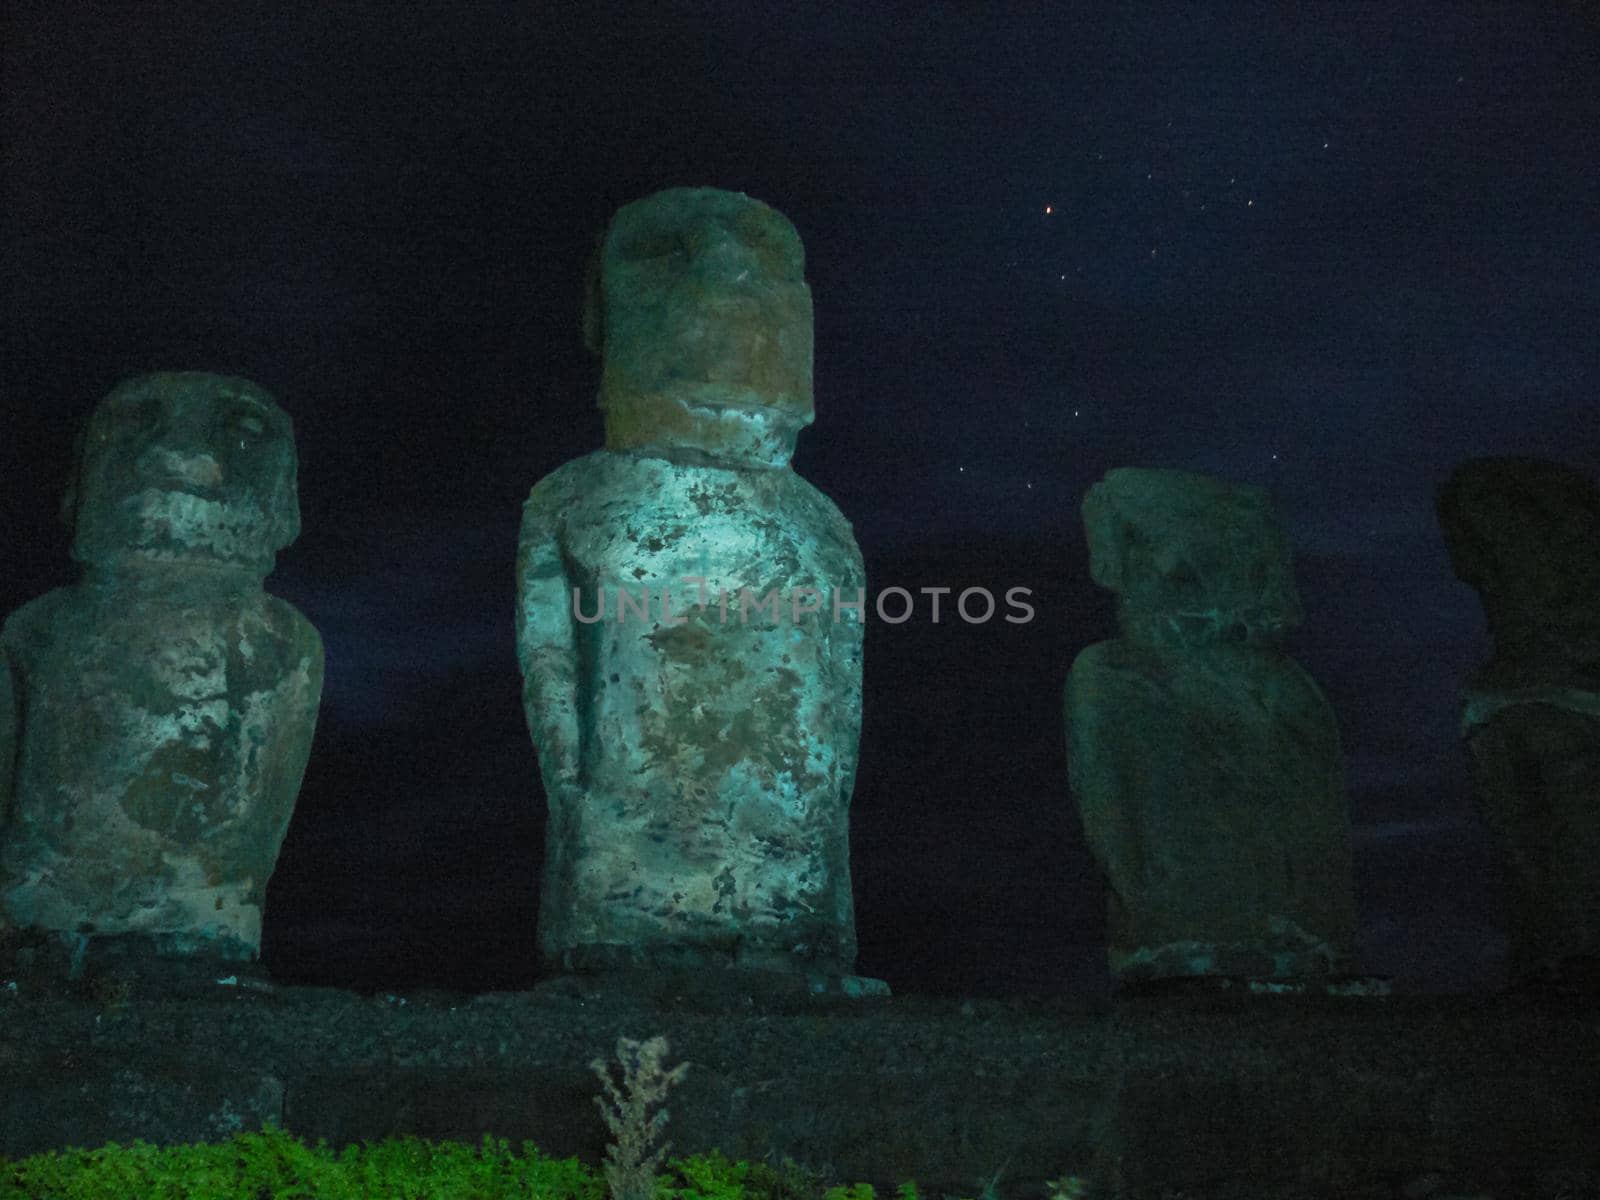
(1526, 534)
(1204, 762)
(698, 761)
(161, 710)
(696, 722)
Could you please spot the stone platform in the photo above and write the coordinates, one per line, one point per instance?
(1198, 1093)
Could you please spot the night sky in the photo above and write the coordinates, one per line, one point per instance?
(1330, 256)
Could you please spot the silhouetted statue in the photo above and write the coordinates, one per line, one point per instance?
(1526, 534)
(155, 718)
(1204, 761)
(697, 735)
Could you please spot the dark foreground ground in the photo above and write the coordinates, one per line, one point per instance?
(1178, 1095)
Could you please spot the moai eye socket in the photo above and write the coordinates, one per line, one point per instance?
(131, 418)
(649, 244)
(753, 229)
(777, 251)
(245, 423)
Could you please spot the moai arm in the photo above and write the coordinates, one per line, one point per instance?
(1097, 771)
(849, 632)
(296, 726)
(546, 638)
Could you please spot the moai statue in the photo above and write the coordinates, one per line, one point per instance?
(155, 717)
(1526, 534)
(685, 624)
(1204, 761)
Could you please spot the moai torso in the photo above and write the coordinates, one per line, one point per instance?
(1526, 534)
(694, 697)
(163, 706)
(1204, 762)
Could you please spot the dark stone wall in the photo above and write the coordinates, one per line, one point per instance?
(1207, 1095)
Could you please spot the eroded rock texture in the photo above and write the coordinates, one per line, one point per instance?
(1526, 534)
(698, 751)
(1204, 761)
(156, 717)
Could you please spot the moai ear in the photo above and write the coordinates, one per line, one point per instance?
(286, 505)
(593, 301)
(1104, 529)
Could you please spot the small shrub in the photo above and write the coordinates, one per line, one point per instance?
(632, 1158)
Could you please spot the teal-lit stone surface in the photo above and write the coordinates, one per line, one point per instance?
(694, 696)
(156, 717)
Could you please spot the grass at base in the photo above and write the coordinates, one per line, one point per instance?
(273, 1164)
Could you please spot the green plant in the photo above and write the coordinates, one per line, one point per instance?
(710, 1176)
(273, 1165)
(785, 1180)
(632, 1158)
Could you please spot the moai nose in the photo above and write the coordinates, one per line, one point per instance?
(164, 465)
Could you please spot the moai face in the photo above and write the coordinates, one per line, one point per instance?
(702, 317)
(186, 469)
(1193, 560)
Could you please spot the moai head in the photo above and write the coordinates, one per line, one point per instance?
(187, 469)
(700, 311)
(1526, 534)
(1192, 559)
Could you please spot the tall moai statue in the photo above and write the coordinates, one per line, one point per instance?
(1204, 761)
(1526, 534)
(690, 654)
(155, 717)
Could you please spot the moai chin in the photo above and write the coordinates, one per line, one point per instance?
(1204, 761)
(155, 717)
(696, 725)
(1525, 533)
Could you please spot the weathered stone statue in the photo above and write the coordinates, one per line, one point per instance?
(691, 686)
(1526, 534)
(155, 718)
(1204, 761)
